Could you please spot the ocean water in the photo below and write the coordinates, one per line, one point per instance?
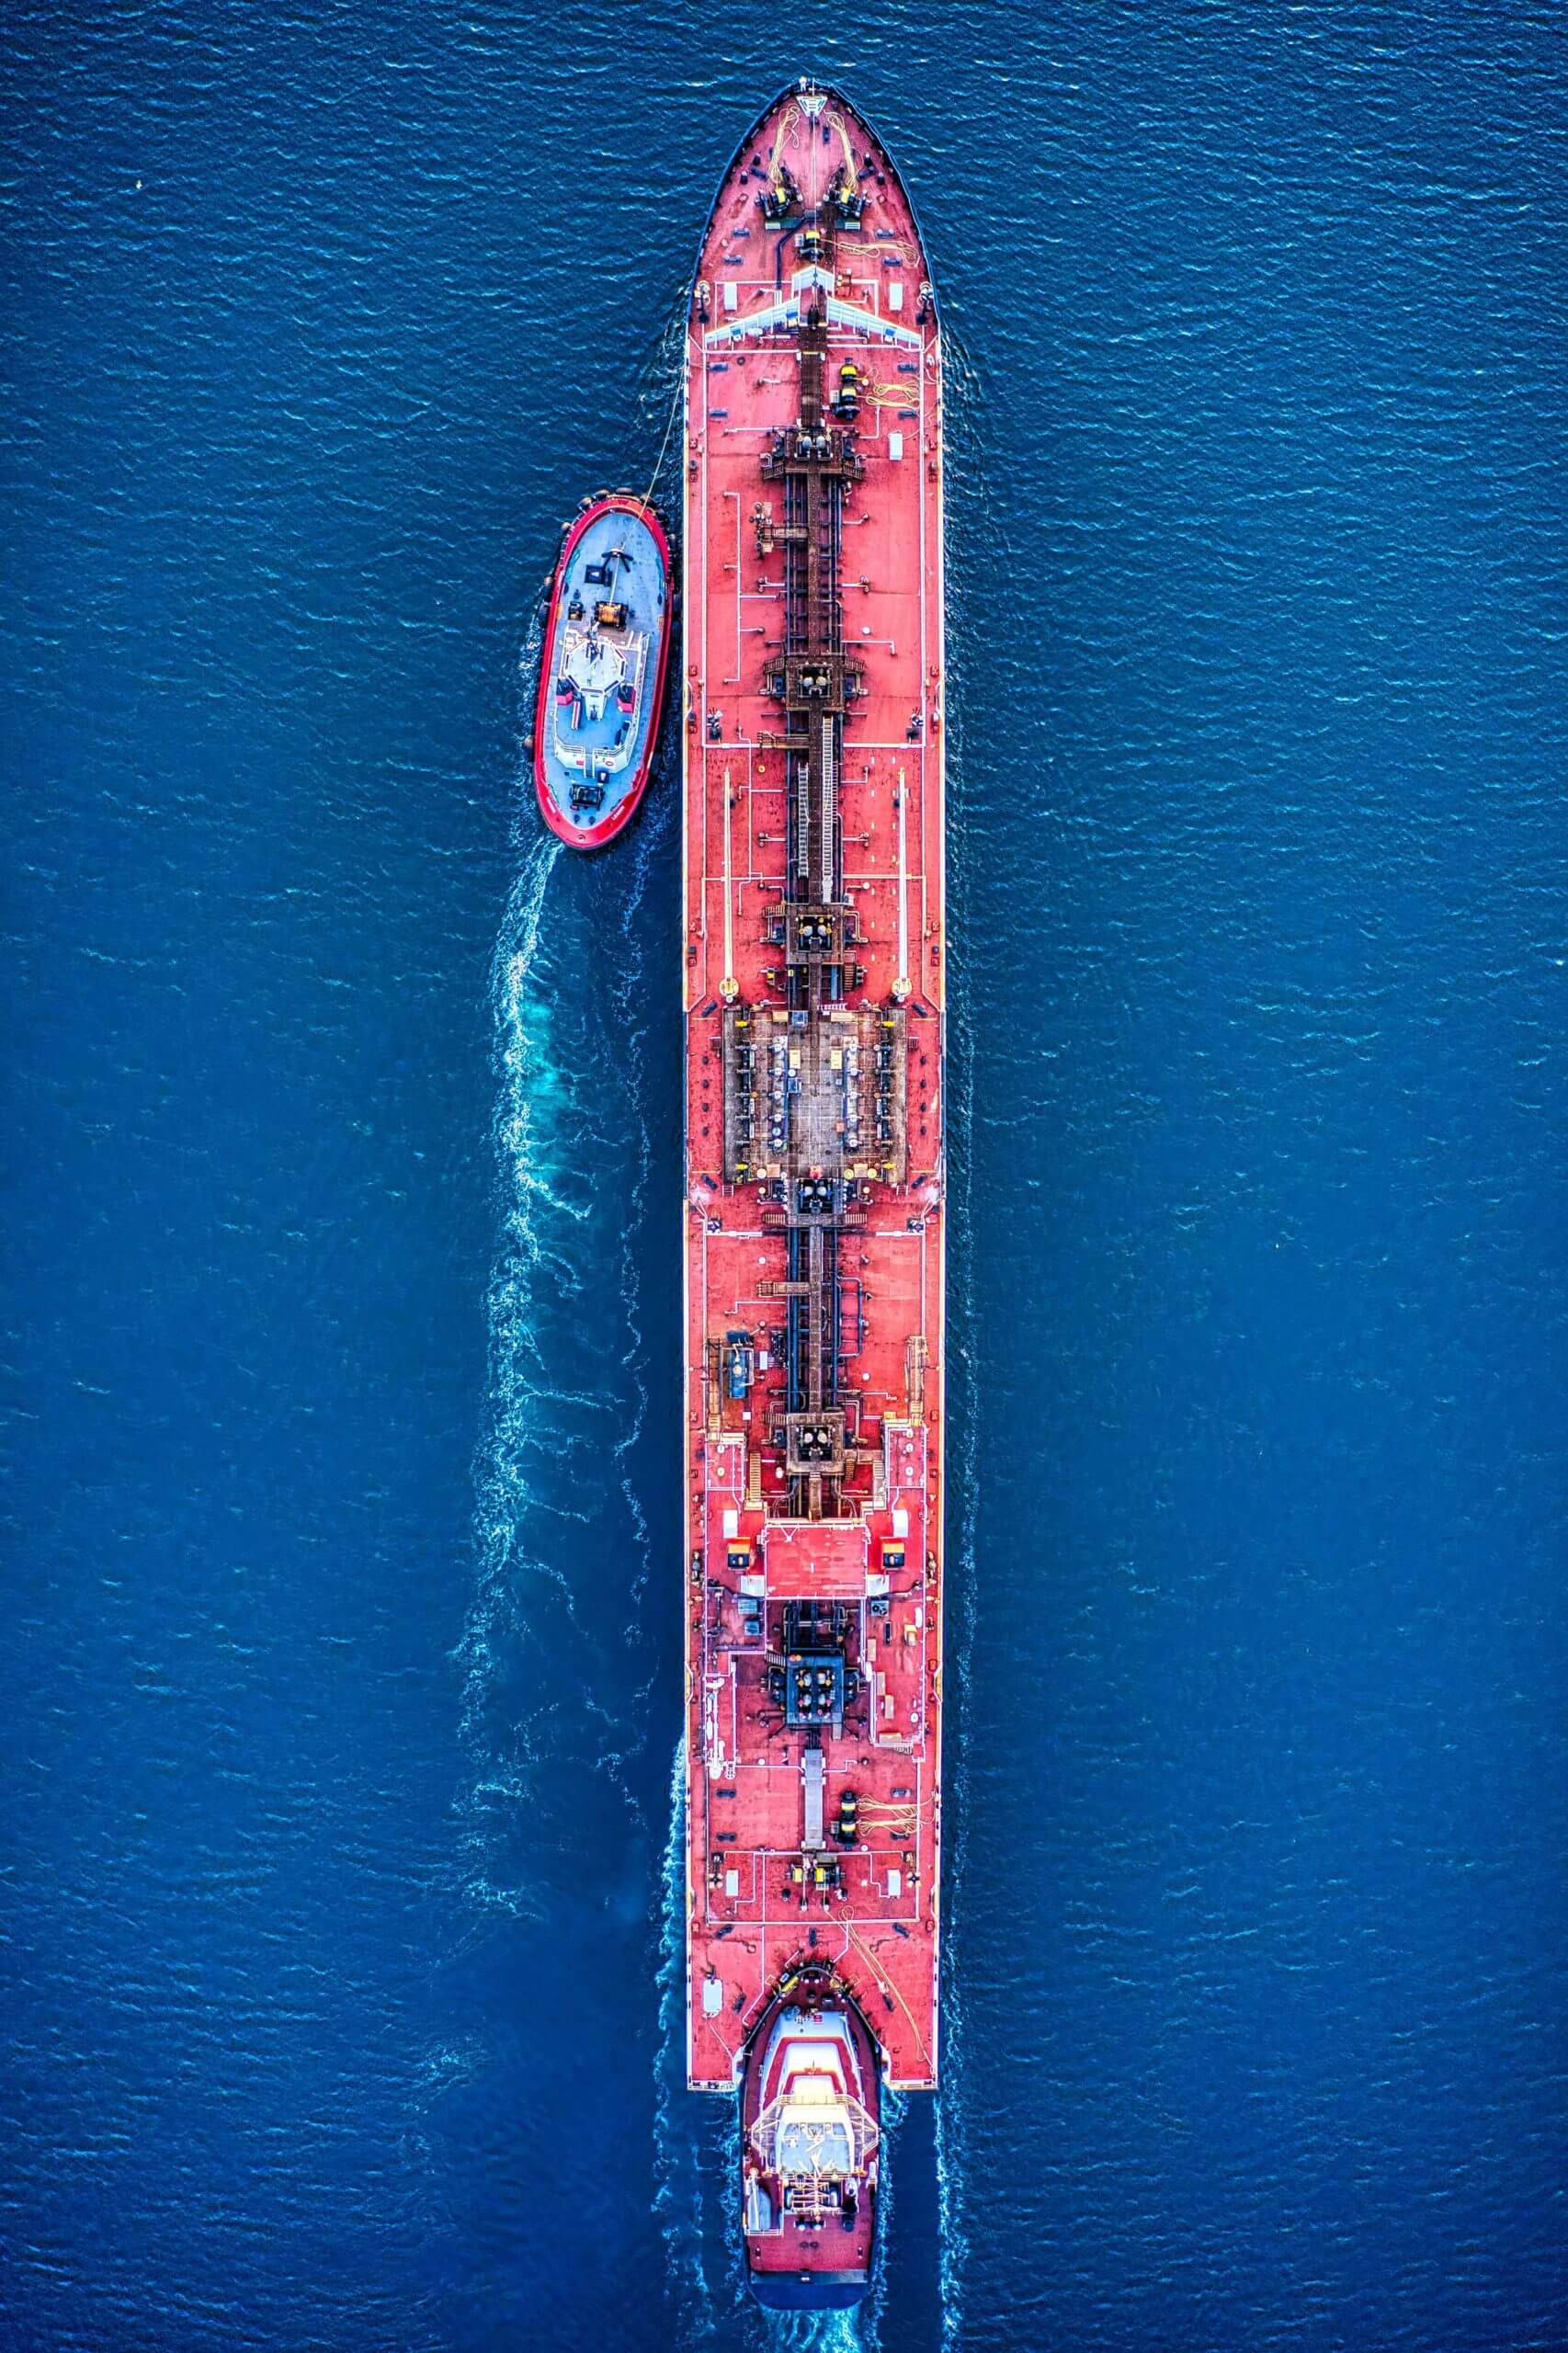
(338, 1643)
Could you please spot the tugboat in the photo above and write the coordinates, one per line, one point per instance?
(809, 2170)
(602, 678)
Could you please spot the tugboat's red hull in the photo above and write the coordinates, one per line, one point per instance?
(620, 789)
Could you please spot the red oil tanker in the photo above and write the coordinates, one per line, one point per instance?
(815, 967)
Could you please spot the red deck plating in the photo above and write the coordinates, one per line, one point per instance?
(806, 1480)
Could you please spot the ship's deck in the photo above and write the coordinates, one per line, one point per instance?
(755, 1902)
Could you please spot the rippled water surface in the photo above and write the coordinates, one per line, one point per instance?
(338, 1641)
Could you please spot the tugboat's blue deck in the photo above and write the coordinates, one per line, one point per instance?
(612, 741)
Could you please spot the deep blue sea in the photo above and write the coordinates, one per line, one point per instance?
(339, 1676)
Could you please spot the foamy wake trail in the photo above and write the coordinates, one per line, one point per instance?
(536, 1224)
(678, 2167)
(952, 2257)
(631, 998)
(816, 2333)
